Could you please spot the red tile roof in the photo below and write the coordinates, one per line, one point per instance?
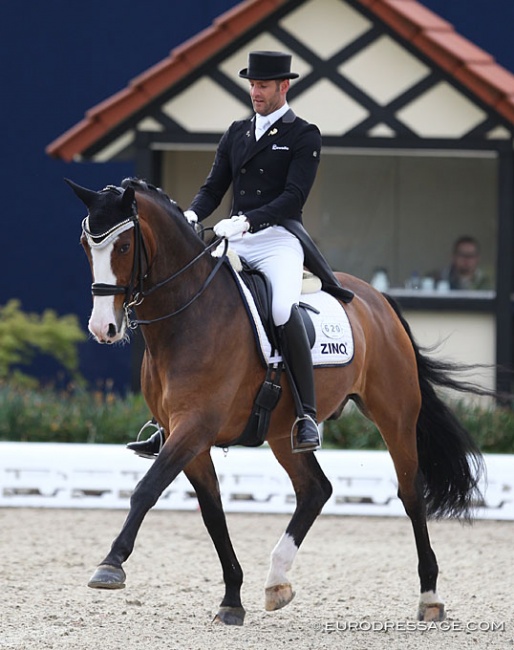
(429, 33)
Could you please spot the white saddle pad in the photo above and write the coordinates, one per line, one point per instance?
(334, 339)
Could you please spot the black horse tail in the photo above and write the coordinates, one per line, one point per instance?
(450, 461)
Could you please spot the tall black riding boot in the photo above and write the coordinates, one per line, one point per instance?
(151, 447)
(296, 353)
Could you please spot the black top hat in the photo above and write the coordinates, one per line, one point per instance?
(268, 65)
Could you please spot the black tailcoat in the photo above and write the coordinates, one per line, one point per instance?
(271, 180)
(271, 177)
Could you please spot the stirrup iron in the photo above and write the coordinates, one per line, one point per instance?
(157, 429)
(294, 448)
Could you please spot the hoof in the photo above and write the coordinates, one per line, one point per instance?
(278, 596)
(107, 577)
(230, 616)
(431, 612)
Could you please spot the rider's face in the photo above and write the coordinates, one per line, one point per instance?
(268, 96)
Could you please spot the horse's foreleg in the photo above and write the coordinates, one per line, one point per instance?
(312, 489)
(170, 462)
(203, 477)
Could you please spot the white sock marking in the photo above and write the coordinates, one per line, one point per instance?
(282, 558)
(430, 598)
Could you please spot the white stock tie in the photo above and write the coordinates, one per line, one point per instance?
(261, 126)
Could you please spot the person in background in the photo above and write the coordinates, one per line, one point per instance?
(464, 271)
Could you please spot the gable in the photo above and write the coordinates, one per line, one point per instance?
(371, 72)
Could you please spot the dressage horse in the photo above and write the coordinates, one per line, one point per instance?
(201, 371)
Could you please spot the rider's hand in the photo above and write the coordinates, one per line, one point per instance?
(191, 217)
(228, 228)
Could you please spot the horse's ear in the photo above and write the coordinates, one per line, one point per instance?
(127, 199)
(86, 196)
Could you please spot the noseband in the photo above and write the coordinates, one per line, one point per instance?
(134, 292)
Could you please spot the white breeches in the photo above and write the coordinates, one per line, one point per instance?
(279, 255)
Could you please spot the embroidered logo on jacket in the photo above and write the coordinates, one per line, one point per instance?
(275, 147)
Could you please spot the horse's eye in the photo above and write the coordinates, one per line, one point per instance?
(124, 248)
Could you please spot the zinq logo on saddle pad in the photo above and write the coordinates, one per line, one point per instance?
(333, 344)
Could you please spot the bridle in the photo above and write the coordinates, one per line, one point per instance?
(135, 292)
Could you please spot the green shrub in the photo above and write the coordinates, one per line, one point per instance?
(492, 429)
(351, 431)
(75, 415)
(78, 415)
(23, 335)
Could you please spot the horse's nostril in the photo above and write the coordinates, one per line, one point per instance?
(111, 332)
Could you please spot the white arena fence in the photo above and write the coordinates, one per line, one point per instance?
(51, 475)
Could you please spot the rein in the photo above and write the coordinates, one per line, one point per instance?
(133, 324)
(134, 291)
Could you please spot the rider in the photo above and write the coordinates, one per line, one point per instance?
(271, 161)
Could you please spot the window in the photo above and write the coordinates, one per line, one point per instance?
(402, 212)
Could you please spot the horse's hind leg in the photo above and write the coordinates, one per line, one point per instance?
(397, 424)
(202, 475)
(410, 491)
(312, 489)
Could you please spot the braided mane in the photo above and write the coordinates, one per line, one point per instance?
(139, 185)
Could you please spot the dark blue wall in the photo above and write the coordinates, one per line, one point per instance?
(487, 23)
(60, 58)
